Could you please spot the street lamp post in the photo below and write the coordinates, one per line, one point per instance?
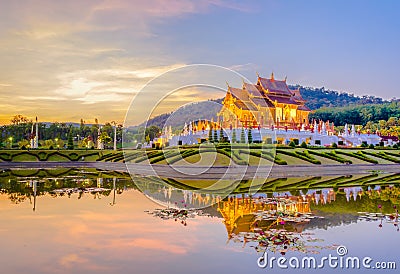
(115, 134)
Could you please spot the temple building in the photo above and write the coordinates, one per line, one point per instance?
(271, 113)
(269, 102)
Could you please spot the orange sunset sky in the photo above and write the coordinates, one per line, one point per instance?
(67, 60)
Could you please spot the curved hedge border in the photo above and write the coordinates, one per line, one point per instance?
(183, 155)
(149, 155)
(358, 155)
(392, 154)
(301, 155)
(164, 156)
(132, 155)
(331, 155)
(383, 155)
(44, 155)
(266, 156)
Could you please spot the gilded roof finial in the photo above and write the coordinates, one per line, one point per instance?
(272, 76)
(285, 78)
(258, 75)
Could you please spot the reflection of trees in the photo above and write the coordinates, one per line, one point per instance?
(180, 215)
(20, 189)
(361, 200)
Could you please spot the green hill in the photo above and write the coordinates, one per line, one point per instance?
(320, 97)
(186, 114)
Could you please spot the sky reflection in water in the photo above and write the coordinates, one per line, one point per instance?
(88, 235)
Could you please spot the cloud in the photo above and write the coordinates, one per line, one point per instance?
(70, 260)
(92, 57)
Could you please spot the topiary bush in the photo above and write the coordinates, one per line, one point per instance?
(303, 145)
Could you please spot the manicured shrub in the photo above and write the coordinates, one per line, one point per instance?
(334, 145)
(331, 155)
(292, 144)
(242, 136)
(249, 136)
(384, 156)
(358, 155)
(303, 145)
(210, 135)
(371, 146)
(233, 136)
(300, 155)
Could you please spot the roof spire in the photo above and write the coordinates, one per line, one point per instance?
(285, 78)
(258, 75)
(272, 76)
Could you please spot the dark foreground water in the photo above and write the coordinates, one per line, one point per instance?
(83, 224)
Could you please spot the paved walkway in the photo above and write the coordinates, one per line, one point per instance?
(200, 172)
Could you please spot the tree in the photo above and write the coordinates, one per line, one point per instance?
(392, 121)
(19, 119)
(242, 136)
(303, 145)
(210, 135)
(152, 132)
(221, 135)
(249, 136)
(105, 138)
(292, 144)
(215, 136)
(70, 143)
(233, 136)
(334, 145)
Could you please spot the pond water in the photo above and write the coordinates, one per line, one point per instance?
(88, 222)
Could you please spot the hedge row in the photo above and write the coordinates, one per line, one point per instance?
(184, 154)
(234, 155)
(44, 155)
(266, 156)
(383, 155)
(331, 155)
(149, 155)
(111, 157)
(165, 155)
(392, 154)
(358, 155)
(133, 155)
(301, 155)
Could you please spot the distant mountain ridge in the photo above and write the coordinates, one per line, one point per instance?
(320, 97)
